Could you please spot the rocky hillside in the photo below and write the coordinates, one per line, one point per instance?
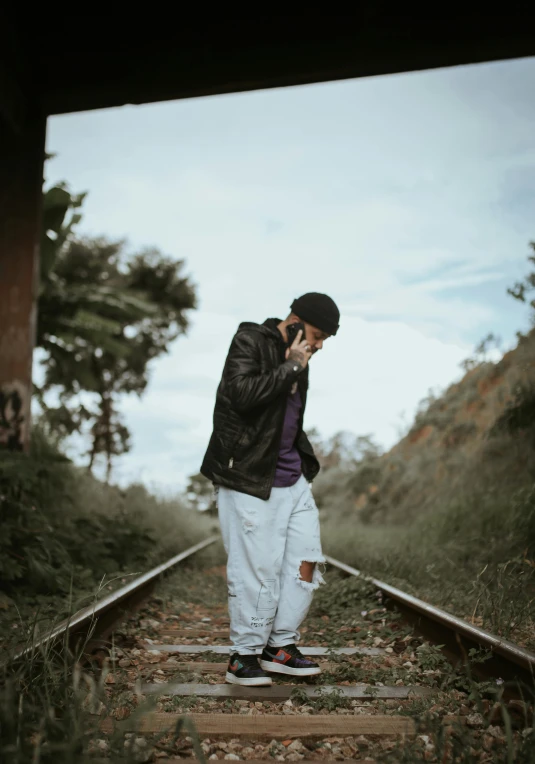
(476, 434)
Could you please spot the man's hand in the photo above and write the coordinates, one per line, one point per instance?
(300, 350)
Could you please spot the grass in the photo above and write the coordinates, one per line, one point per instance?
(51, 708)
(473, 557)
(462, 719)
(470, 550)
(66, 535)
(67, 539)
(449, 513)
(458, 742)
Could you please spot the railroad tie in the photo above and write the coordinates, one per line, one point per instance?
(194, 633)
(268, 727)
(226, 649)
(283, 692)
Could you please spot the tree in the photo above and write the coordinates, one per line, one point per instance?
(522, 288)
(480, 352)
(344, 449)
(519, 413)
(103, 316)
(200, 493)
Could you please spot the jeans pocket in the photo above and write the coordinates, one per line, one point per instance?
(235, 607)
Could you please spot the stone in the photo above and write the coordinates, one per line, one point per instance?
(93, 705)
(475, 720)
(296, 745)
(140, 751)
(98, 746)
(149, 623)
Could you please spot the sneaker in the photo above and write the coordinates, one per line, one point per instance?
(288, 660)
(245, 670)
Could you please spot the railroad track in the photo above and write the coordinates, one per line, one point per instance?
(159, 657)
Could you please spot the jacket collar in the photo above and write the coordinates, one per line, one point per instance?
(273, 325)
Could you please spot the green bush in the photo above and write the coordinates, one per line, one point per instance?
(519, 414)
(62, 528)
(473, 555)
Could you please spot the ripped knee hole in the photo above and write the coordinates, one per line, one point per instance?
(310, 574)
(306, 571)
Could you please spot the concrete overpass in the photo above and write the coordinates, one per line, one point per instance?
(77, 61)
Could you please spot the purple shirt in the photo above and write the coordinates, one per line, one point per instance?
(288, 469)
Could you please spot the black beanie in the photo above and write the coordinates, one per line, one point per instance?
(319, 310)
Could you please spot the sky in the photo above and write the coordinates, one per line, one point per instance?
(408, 199)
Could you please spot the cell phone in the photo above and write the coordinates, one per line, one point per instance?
(292, 331)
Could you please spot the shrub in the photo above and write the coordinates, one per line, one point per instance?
(61, 527)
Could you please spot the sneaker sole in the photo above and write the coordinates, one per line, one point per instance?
(256, 681)
(280, 668)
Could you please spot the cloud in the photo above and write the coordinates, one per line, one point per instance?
(407, 198)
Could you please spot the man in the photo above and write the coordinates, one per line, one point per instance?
(261, 464)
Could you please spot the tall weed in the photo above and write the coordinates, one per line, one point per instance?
(64, 532)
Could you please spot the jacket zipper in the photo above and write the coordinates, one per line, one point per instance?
(236, 447)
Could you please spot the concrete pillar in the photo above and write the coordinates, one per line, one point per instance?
(21, 184)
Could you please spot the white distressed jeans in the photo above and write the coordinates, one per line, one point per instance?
(266, 542)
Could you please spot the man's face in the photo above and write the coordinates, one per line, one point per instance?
(315, 337)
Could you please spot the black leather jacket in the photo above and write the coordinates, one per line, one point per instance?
(249, 412)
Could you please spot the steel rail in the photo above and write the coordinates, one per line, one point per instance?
(98, 619)
(508, 661)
